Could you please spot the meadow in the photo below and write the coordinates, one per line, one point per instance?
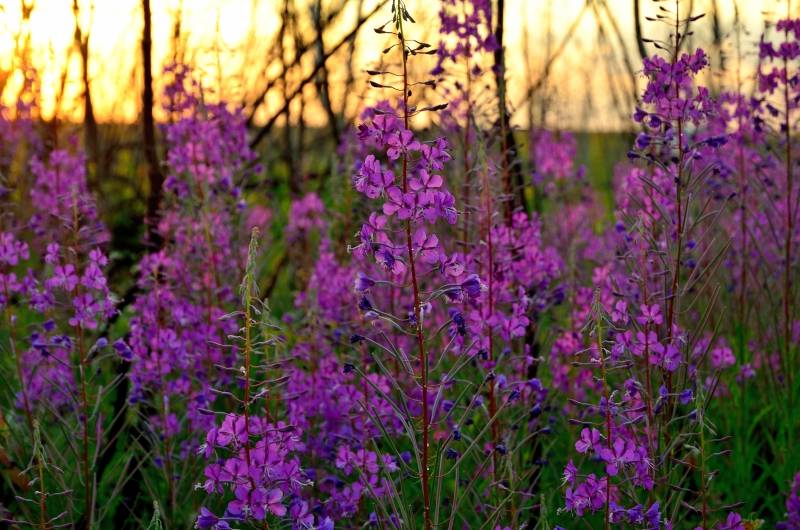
(440, 319)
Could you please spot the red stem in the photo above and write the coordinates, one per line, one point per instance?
(423, 358)
(787, 277)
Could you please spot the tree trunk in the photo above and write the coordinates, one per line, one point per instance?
(155, 177)
(513, 185)
(323, 88)
(90, 133)
(637, 23)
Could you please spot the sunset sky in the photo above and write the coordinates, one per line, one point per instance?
(228, 39)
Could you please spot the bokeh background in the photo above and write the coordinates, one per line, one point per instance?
(297, 69)
(90, 72)
(579, 58)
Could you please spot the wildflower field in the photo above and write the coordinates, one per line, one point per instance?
(429, 311)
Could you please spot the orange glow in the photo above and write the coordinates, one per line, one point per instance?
(228, 42)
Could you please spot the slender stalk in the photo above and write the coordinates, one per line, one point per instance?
(12, 341)
(500, 80)
(423, 358)
(703, 496)
(164, 419)
(42, 496)
(673, 293)
(606, 394)
(155, 177)
(83, 363)
(247, 295)
(32, 425)
(85, 433)
(787, 275)
(247, 351)
(38, 455)
(467, 167)
(742, 192)
(467, 129)
(648, 368)
(247, 377)
(490, 303)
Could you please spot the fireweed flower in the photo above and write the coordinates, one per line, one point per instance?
(633, 315)
(60, 195)
(57, 278)
(404, 237)
(470, 22)
(305, 215)
(552, 155)
(178, 331)
(253, 458)
(777, 113)
(525, 268)
(18, 124)
(73, 284)
(420, 203)
(792, 521)
(619, 319)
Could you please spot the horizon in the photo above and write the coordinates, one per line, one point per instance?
(229, 55)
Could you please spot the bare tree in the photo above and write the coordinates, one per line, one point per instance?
(81, 42)
(717, 33)
(321, 83)
(287, 21)
(267, 127)
(155, 177)
(625, 106)
(177, 34)
(637, 24)
(507, 143)
(351, 77)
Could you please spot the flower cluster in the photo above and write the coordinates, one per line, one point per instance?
(541, 352)
(259, 468)
(57, 303)
(466, 30)
(792, 521)
(178, 353)
(639, 348)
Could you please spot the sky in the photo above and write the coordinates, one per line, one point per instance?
(227, 40)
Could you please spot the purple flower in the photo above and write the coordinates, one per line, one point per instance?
(792, 521)
(401, 143)
(363, 283)
(621, 452)
(386, 257)
(426, 181)
(274, 504)
(590, 439)
(372, 180)
(653, 516)
(11, 250)
(589, 495)
(650, 314)
(206, 519)
(86, 310)
(123, 349)
(472, 286)
(64, 276)
(426, 246)
(570, 473)
(732, 522)
(301, 515)
(214, 475)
